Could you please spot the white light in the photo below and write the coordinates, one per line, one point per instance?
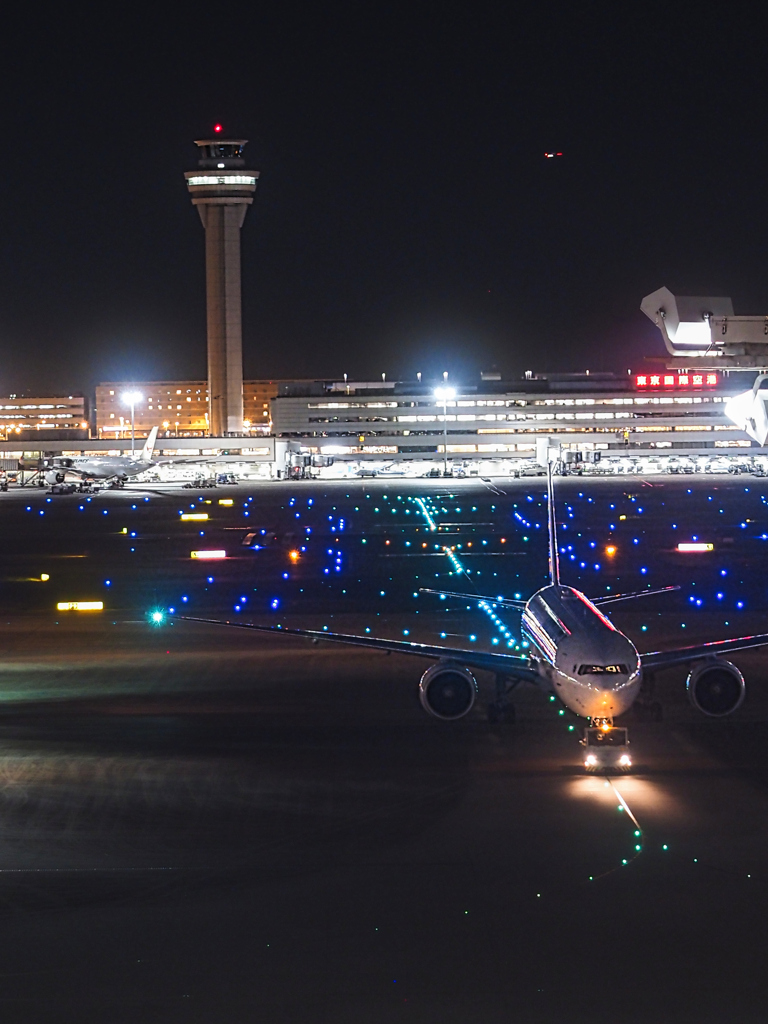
(748, 412)
(625, 759)
(222, 179)
(590, 760)
(445, 394)
(697, 334)
(132, 397)
(695, 547)
(208, 556)
(80, 606)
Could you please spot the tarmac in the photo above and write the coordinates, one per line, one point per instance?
(206, 824)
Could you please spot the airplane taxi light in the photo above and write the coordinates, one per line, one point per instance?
(208, 556)
(692, 547)
(194, 516)
(80, 606)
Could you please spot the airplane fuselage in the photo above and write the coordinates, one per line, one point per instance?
(106, 468)
(591, 665)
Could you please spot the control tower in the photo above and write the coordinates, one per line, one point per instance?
(222, 190)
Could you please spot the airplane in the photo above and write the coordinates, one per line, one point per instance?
(576, 653)
(115, 468)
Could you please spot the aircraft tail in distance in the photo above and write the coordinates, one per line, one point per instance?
(149, 446)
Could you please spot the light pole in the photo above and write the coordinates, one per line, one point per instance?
(131, 398)
(445, 395)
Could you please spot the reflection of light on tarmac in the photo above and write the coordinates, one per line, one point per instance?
(641, 794)
(632, 797)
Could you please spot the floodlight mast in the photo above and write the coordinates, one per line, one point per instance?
(131, 398)
(222, 190)
(445, 394)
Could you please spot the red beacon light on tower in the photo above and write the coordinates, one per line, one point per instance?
(218, 128)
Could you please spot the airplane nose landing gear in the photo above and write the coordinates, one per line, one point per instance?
(501, 711)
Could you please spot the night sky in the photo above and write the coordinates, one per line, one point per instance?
(406, 218)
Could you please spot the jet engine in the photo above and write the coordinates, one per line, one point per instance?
(447, 691)
(53, 476)
(716, 688)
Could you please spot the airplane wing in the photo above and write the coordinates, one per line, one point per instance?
(611, 598)
(510, 664)
(663, 659)
(502, 602)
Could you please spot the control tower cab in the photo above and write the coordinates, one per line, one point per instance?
(222, 190)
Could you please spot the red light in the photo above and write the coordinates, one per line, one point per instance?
(217, 128)
(680, 380)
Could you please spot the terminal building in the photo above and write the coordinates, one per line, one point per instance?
(647, 412)
(630, 423)
(179, 408)
(22, 416)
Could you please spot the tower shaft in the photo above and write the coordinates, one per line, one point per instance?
(225, 335)
(222, 192)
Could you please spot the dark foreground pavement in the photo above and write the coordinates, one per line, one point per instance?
(277, 833)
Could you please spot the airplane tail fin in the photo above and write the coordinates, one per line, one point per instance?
(149, 446)
(554, 562)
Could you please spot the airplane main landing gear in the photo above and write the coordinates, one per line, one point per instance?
(501, 711)
(646, 708)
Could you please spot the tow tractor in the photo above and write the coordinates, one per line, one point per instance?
(606, 747)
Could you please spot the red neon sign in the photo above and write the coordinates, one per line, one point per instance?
(677, 380)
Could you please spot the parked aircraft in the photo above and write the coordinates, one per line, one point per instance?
(116, 468)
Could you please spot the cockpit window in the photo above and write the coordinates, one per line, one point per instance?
(602, 670)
